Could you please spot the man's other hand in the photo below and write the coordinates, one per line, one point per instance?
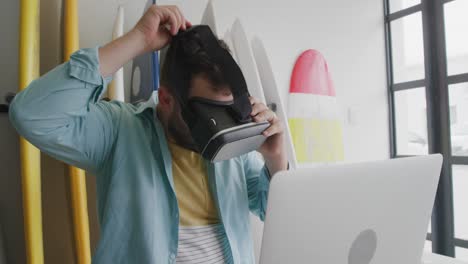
(273, 150)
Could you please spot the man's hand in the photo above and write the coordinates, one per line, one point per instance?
(152, 32)
(273, 150)
(159, 24)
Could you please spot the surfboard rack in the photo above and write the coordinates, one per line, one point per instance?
(8, 98)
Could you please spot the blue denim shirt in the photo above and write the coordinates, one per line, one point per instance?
(126, 148)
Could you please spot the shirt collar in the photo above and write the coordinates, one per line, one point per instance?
(151, 103)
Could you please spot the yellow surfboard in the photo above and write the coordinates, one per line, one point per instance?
(77, 176)
(30, 156)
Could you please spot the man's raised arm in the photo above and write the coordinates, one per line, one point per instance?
(60, 113)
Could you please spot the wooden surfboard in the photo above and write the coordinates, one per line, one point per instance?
(30, 155)
(77, 176)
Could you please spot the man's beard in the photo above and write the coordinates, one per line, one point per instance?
(179, 132)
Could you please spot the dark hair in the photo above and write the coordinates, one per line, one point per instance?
(195, 62)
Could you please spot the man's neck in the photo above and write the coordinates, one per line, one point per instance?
(170, 139)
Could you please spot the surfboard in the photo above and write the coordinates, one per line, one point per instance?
(209, 18)
(30, 155)
(77, 176)
(116, 87)
(145, 73)
(314, 119)
(245, 56)
(228, 40)
(246, 60)
(272, 95)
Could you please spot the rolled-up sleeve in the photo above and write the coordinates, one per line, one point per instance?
(258, 184)
(61, 114)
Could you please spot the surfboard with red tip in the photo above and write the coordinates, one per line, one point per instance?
(313, 111)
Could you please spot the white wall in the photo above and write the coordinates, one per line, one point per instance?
(350, 34)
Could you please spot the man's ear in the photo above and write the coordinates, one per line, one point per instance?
(165, 98)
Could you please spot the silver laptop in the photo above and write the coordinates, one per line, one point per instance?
(375, 212)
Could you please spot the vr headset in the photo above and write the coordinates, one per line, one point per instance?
(221, 130)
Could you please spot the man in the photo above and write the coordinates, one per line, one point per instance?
(158, 200)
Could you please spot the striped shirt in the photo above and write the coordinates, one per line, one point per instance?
(203, 244)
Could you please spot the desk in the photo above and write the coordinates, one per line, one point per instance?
(430, 258)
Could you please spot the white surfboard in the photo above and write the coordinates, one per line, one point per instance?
(228, 40)
(209, 18)
(272, 95)
(116, 87)
(237, 41)
(246, 60)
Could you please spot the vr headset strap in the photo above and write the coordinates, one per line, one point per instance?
(241, 107)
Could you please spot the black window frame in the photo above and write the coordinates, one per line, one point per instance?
(436, 84)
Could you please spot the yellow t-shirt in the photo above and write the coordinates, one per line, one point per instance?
(196, 204)
(202, 238)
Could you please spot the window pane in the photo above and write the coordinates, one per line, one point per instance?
(428, 246)
(411, 122)
(407, 48)
(458, 94)
(461, 253)
(456, 23)
(396, 5)
(460, 200)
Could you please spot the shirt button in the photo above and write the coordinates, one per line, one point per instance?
(172, 257)
(177, 215)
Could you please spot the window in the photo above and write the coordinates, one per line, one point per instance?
(453, 117)
(407, 48)
(410, 122)
(461, 253)
(456, 24)
(458, 96)
(460, 187)
(427, 73)
(396, 5)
